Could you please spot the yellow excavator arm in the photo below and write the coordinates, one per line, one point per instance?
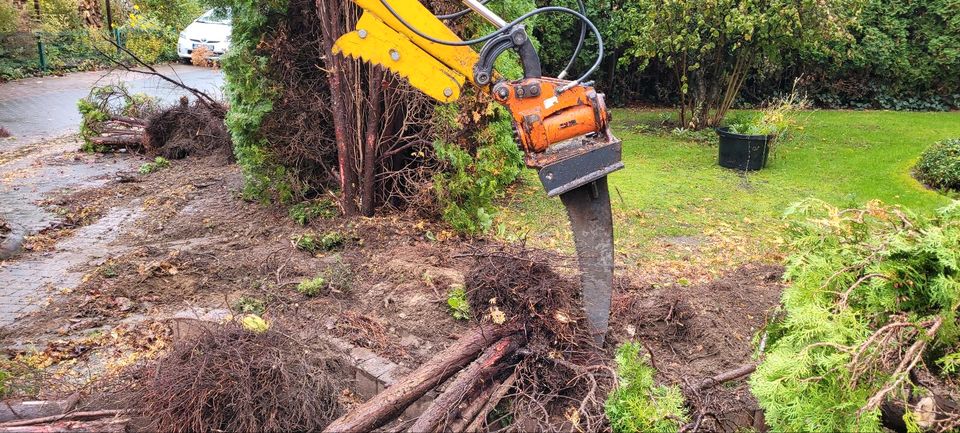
(379, 38)
(562, 126)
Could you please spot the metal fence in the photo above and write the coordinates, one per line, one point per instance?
(30, 53)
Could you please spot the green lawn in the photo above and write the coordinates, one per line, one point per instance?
(674, 205)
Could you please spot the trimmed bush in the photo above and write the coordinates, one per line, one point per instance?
(939, 165)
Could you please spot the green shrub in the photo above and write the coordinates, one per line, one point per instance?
(457, 301)
(312, 243)
(337, 278)
(939, 165)
(468, 187)
(158, 164)
(9, 17)
(252, 93)
(308, 211)
(312, 287)
(866, 286)
(638, 404)
(250, 305)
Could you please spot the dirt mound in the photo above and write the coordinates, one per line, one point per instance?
(232, 379)
(520, 284)
(185, 129)
(696, 332)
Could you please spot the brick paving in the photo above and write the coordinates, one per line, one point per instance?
(31, 169)
(33, 108)
(26, 284)
(27, 178)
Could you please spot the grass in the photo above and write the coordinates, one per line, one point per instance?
(675, 207)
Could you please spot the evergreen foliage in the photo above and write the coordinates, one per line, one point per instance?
(638, 404)
(252, 94)
(467, 187)
(872, 292)
(939, 165)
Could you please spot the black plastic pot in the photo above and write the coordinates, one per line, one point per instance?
(743, 152)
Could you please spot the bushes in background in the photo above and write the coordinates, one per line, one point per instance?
(74, 33)
(900, 55)
(939, 165)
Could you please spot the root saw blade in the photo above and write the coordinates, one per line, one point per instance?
(588, 208)
(577, 172)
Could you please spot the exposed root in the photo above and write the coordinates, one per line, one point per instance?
(232, 379)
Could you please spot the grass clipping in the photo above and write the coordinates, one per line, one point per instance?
(870, 321)
(233, 379)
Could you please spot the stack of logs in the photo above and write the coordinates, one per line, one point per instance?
(481, 357)
(118, 132)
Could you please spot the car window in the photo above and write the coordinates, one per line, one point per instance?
(216, 16)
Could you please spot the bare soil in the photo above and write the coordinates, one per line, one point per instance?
(200, 247)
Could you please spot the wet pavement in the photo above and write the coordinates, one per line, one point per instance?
(36, 108)
(42, 158)
(29, 175)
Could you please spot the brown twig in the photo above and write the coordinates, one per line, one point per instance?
(726, 376)
(67, 416)
(909, 361)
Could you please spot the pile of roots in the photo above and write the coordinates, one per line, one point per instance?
(186, 129)
(114, 119)
(529, 364)
(232, 379)
(563, 376)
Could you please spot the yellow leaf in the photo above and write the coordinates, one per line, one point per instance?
(497, 316)
(254, 323)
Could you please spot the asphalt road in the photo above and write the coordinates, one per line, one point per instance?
(36, 108)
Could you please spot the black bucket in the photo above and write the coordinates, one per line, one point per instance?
(743, 152)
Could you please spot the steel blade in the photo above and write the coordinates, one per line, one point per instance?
(591, 221)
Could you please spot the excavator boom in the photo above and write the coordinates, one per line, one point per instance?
(562, 126)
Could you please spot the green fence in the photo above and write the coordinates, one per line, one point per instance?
(35, 53)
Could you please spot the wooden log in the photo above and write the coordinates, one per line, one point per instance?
(501, 390)
(385, 406)
(118, 140)
(483, 367)
(109, 425)
(67, 416)
(469, 410)
(129, 120)
(17, 410)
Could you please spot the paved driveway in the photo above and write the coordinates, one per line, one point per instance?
(32, 167)
(35, 108)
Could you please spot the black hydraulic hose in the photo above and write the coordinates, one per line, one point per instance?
(506, 28)
(583, 36)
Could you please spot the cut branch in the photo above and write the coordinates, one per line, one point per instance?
(726, 376)
(499, 392)
(383, 407)
(485, 366)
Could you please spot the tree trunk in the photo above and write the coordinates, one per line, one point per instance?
(385, 406)
(374, 100)
(331, 15)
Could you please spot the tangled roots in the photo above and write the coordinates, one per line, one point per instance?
(232, 379)
(186, 129)
(563, 378)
